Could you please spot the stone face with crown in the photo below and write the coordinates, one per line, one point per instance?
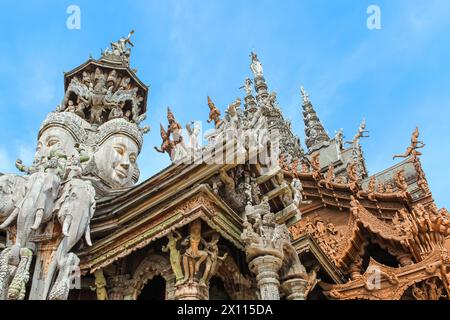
(310, 225)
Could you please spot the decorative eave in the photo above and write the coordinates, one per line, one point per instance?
(354, 239)
(337, 195)
(199, 202)
(163, 186)
(307, 243)
(393, 281)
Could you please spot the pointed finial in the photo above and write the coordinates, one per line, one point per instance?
(304, 95)
(170, 115)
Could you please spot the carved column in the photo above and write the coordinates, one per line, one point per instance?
(191, 291)
(46, 245)
(295, 288)
(266, 269)
(355, 269)
(169, 276)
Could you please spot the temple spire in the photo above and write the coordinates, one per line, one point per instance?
(314, 130)
(258, 78)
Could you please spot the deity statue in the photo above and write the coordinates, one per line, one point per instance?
(175, 261)
(352, 173)
(214, 114)
(100, 285)
(193, 129)
(297, 188)
(119, 48)
(360, 134)
(400, 181)
(389, 188)
(256, 66)
(315, 165)
(213, 256)
(412, 149)
(232, 114)
(193, 257)
(247, 86)
(354, 206)
(330, 176)
(340, 138)
(174, 128)
(167, 144)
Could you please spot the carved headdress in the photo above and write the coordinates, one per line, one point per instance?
(120, 126)
(69, 122)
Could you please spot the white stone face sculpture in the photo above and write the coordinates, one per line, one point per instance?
(116, 160)
(61, 131)
(52, 139)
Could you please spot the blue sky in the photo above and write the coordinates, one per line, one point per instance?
(397, 77)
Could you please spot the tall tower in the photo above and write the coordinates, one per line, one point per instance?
(289, 144)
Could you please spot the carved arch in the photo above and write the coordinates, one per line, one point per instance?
(151, 266)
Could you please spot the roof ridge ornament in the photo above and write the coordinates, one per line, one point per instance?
(119, 51)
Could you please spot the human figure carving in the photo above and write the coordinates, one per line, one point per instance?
(100, 285)
(315, 165)
(297, 188)
(214, 114)
(412, 149)
(360, 134)
(256, 66)
(232, 114)
(193, 257)
(354, 206)
(193, 129)
(167, 144)
(175, 261)
(213, 257)
(247, 86)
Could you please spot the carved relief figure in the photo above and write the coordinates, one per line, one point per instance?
(193, 257)
(100, 285)
(212, 262)
(175, 261)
